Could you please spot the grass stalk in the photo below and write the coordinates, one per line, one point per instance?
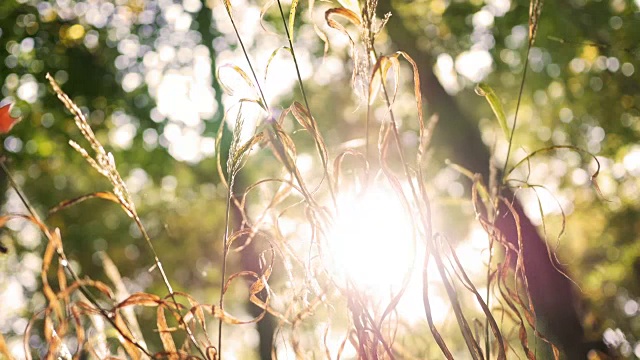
(66, 264)
(515, 116)
(105, 165)
(306, 104)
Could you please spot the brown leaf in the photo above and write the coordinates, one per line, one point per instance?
(380, 70)
(4, 350)
(165, 332)
(100, 194)
(126, 338)
(342, 12)
(142, 299)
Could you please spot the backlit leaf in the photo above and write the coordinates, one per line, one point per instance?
(496, 105)
(6, 120)
(342, 12)
(292, 17)
(4, 350)
(351, 5)
(379, 76)
(100, 194)
(272, 56)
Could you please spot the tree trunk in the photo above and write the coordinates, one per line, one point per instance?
(552, 293)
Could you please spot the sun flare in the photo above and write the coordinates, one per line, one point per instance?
(372, 247)
(371, 242)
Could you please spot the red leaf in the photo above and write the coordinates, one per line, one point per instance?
(6, 120)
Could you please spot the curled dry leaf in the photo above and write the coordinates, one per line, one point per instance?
(305, 119)
(342, 12)
(246, 81)
(263, 11)
(272, 56)
(100, 194)
(355, 20)
(165, 332)
(351, 5)
(380, 70)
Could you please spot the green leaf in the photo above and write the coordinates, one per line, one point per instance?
(292, 17)
(496, 105)
(273, 55)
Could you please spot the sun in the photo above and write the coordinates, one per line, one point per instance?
(372, 247)
(371, 243)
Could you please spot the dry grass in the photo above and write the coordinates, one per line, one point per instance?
(313, 293)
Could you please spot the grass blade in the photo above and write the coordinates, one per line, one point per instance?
(496, 105)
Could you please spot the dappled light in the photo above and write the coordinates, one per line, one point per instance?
(343, 179)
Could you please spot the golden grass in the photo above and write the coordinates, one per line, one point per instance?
(313, 289)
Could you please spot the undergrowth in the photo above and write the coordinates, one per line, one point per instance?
(314, 293)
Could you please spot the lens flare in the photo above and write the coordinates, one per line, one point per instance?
(371, 241)
(372, 247)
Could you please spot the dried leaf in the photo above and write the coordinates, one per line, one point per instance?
(143, 299)
(480, 301)
(351, 5)
(427, 308)
(197, 312)
(324, 38)
(131, 349)
(379, 75)
(4, 219)
(454, 299)
(337, 164)
(342, 12)
(282, 145)
(309, 123)
(165, 333)
(263, 11)
(417, 92)
(354, 19)
(4, 350)
(100, 194)
(80, 333)
(247, 80)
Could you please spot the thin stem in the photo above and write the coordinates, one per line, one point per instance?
(396, 135)
(165, 279)
(515, 117)
(114, 177)
(246, 55)
(225, 250)
(306, 102)
(487, 343)
(504, 172)
(65, 263)
(229, 191)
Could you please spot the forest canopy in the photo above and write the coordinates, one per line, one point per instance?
(351, 179)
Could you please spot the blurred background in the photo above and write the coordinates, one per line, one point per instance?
(145, 74)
